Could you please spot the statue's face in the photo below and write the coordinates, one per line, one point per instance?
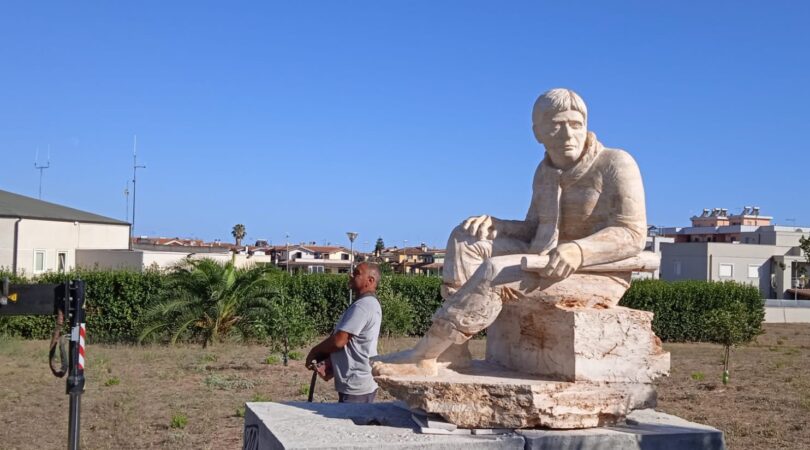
(564, 136)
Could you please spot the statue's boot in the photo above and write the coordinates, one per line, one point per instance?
(422, 359)
(457, 355)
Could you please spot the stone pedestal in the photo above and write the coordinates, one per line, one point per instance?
(577, 344)
(485, 395)
(379, 426)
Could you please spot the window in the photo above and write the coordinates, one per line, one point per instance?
(297, 255)
(676, 268)
(344, 256)
(315, 269)
(61, 262)
(726, 270)
(753, 271)
(39, 260)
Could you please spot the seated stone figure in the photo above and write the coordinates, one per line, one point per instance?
(587, 209)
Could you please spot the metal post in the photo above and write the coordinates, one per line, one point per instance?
(352, 236)
(135, 168)
(75, 381)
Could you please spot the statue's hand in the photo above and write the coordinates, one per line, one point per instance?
(482, 227)
(564, 260)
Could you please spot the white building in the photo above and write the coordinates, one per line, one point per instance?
(743, 247)
(38, 236)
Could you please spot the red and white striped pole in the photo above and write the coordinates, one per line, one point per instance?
(75, 380)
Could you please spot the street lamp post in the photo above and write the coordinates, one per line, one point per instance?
(352, 236)
(287, 256)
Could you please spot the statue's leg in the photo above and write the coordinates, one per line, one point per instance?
(464, 256)
(471, 309)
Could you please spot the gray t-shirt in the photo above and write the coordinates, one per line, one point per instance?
(351, 365)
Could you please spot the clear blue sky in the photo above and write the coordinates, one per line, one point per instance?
(395, 119)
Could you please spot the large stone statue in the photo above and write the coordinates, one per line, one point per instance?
(547, 285)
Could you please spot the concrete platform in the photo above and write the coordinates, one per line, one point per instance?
(299, 425)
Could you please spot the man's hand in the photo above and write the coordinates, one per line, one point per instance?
(564, 260)
(482, 227)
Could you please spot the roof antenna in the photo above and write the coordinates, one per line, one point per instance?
(42, 167)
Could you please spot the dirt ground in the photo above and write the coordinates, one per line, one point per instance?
(187, 397)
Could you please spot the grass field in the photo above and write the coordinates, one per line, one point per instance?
(187, 397)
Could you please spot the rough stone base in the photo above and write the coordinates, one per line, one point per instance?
(301, 425)
(486, 395)
(570, 343)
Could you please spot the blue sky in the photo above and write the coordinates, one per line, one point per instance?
(394, 119)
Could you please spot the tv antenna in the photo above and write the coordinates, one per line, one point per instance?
(135, 168)
(42, 167)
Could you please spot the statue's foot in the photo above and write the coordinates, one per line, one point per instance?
(458, 356)
(404, 363)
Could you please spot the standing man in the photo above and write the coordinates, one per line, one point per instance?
(354, 340)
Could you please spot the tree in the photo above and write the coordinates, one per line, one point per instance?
(727, 327)
(287, 324)
(379, 246)
(208, 300)
(238, 233)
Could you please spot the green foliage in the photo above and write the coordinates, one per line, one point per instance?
(379, 246)
(125, 305)
(112, 381)
(114, 303)
(423, 294)
(238, 232)
(179, 421)
(397, 314)
(272, 360)
(690, 311)
(698, 376)
(207, 300)
(804, 244)
(295, 355)
(240, 411)
(228, 382)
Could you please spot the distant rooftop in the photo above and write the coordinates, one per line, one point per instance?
(15, 205)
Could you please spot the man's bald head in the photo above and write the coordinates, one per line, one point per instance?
(365, 278)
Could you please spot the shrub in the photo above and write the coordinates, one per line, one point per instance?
(179, 421)
(397, 314)
(695, 311)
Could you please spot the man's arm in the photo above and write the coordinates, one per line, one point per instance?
(328, 346)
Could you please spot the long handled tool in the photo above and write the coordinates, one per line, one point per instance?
(314, 365)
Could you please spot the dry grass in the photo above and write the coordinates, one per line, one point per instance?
(187, 397)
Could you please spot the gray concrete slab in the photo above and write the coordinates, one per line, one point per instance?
(645, 430)
(299, 425)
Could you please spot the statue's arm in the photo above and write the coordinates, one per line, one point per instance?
(625, 235)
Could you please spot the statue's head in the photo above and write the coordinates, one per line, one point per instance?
(560, 123)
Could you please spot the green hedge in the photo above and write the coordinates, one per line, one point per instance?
(116, 301)
(685, 311)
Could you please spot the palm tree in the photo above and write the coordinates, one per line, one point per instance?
(209, 300)
(238, 233)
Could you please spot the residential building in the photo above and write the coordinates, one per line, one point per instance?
(743, 247)
(38, 236)
(421, 260)
(311, 258)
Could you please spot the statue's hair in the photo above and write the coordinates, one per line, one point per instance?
(558, 100)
